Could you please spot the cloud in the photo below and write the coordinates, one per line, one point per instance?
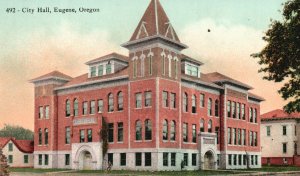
(227, 49)
(64, 48)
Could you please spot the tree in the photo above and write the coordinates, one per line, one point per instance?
(281, 56)
(17, 132)
(3, 164)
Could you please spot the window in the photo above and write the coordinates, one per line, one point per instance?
(85, 108)
(10, 159)
(165, 159)
(67, 159)
(150, 64)
(284, 130)
(230, 159)
(120, 101)
(252, 159)
(138, 159)
(75, 107)
(254, 116)
(250, 115)
(250, 138)
(229, 135)
(176, 69)
(108, 68)
(209, 110)
(165, 99)
(90, 135)
(240, 160)
(173, 159)
(122, 159)
(234, 136)
(254, 138)
(92, 107)
(25, 159)
(238, 111)
(40, 136)
(148, 130)
(239, 137)
(202, 125)
(134, 68)
(82, 136)
(110, 132)
(138, 130)
(165, 130)
(228, 108)
(46, 162)
(41, 112)
(218, 159)
(173, 100)
(194, 159)
(245, 160)
(194, 110)
(186, 159)
(120, 132)
(243, 112)
(100, 70)
(173, 131)
(67, 135)
(217, 131)
(148, 159)
(93, 71)
(163, 65)
(46, 136)
(217, 108)
(233, 109)
(243, 137)
(148, 99)
(192, 70)
(235, 160)
(68, 108)
(40, 159)
(210, 126)
(110, 102)
(202, 100)
(194, 133)
(142, 65)
(138, 100)
(256, 160)
(185, 102)
(110, 158)
(185, 132)
(10, 147)
(100, 105)
(295, 131)
(47, 112)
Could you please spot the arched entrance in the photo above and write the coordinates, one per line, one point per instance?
(85, 161)
(209, 161)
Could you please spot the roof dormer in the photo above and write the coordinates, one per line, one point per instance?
(191, 66)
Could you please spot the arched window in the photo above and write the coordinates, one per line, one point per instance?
(75, 107)
(120, 101)
(217, 108)
(202, 125)
(209, 126)
(46, 136)
(173, 131)
(68, 108)
(163, 64)
(40, 136)
(134, 68)
(110, 102)
(185, 102)
(138, 130)
(209, 107)
(150, 64)
(165, 130)
(148, 130)
(194, 109)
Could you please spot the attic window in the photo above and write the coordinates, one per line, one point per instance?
(93, 71)
(191, 70)
(108, 68)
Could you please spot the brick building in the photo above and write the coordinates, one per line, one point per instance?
(161, 110)
(279, 128)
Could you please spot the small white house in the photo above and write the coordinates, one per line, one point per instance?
(19, 153)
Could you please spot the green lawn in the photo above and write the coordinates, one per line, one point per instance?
(275, 169)
(35, 170)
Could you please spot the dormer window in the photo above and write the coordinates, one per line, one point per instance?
(93, 71)
(191, 70)
(100, 70)
(108, 68)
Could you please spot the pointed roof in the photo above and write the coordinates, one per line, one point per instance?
(52, 75)
(25, 146)
(155, 23)
(279, 114)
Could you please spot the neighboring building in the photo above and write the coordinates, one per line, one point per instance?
(279, 139)
(19, 153)
(161, 110)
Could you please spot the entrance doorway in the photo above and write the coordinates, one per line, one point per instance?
(209, 162)
(85, 161)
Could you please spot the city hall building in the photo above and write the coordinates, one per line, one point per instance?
(161, 111)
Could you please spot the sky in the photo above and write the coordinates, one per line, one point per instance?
(35, 44)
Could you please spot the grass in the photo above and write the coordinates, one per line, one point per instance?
(274, 169)
(32, 170)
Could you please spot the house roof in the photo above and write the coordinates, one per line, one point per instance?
(109, 57)
(25, 146)
(220, 78)
(256, 97)
(52, 75)
(279, 114)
